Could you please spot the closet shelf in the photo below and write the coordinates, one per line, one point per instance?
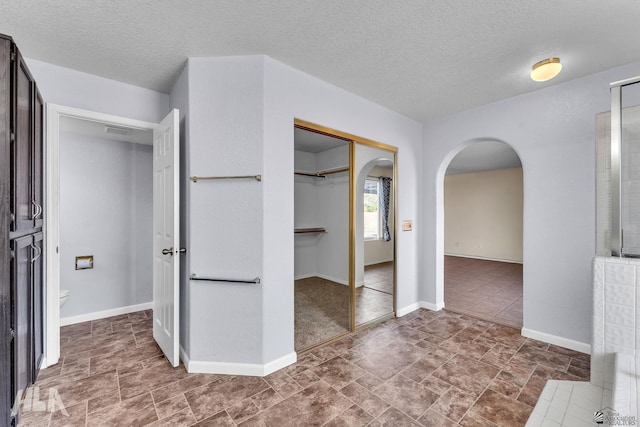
(323, 173)
(309, 230)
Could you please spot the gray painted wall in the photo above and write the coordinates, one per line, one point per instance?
(106, 208)
(241, 114)
(553, 132)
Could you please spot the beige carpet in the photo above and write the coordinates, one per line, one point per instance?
(321, 311)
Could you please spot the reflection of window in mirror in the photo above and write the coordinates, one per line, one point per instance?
(371, 211)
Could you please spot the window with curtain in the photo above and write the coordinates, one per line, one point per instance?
(371, 209)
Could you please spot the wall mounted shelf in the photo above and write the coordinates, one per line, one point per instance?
(309, 230)
(322, 173)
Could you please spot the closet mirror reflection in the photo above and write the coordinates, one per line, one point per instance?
(375, 233)
(321, 222)
(344, 220)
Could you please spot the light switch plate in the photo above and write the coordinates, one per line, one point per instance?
(407, 225)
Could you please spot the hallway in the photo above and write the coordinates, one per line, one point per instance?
(488, 290)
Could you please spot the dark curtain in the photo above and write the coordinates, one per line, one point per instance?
(385, 195)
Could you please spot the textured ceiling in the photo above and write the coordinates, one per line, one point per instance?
(422, 58)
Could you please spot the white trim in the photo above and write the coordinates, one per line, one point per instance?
(226, 368)
(54, 113)
(420, 304)
(323, 276)
(483, 258)
(582, 347)
(370, 263)
(71, 320)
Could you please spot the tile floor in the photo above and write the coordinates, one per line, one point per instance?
(375, 298)
(424, 369)
(488, 290)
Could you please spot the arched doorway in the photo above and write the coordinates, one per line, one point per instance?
(483, 228)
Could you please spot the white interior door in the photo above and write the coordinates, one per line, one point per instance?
(166, 236)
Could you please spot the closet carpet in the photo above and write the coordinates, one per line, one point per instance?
(322, 306)
(321, 311)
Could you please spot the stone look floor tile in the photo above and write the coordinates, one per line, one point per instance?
(137, 411)
(405, 394)
(365, 399)
(218, 395)
(467, 374)
(502, 410)
(337, 372)
(313, 406)
(426, 368)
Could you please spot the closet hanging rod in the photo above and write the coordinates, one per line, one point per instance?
(322, 174)
(198, 178)
(210, 279)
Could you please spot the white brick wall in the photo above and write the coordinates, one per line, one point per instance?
(616, 314)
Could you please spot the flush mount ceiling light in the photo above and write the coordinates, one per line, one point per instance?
(546, 69)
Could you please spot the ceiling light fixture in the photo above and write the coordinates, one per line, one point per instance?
(546, 69)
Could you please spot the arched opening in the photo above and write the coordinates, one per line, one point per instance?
(482, 230)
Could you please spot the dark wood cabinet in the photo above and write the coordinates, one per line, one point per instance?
(21, 221)
(21, 323)
(37, 305)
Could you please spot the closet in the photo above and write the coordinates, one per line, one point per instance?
(344, 225)
(321, 237)
(21, 220)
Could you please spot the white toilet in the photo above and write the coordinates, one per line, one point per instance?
(64, 296)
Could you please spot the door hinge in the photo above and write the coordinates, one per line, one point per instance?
(13, 333)
(13, 56)
(13, 136)
(13, 254)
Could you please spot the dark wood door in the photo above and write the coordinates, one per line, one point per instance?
(21, 324)
(23, 209)
(37, 304)
(36, 159)
(5, 249)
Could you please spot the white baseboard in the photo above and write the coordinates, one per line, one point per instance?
(368, 264)
(483, 258)
(556, 340)
(420, 304)
(323, 276)
(226, 368)
(64, 321)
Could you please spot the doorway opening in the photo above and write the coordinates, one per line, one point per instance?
(483, 229)
(108, 208)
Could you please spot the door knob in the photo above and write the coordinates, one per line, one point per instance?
(167, 251)
(181, 251)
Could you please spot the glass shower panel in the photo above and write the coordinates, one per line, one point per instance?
(630, 170)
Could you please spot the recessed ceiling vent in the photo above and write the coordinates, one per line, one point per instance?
(117, 130)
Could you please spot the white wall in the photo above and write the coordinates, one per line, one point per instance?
(322, 202)
(241, 112)
(553, 132)
(226, 224)
(289, 94)
(483, 214)
(71, 88)
(105, 204)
